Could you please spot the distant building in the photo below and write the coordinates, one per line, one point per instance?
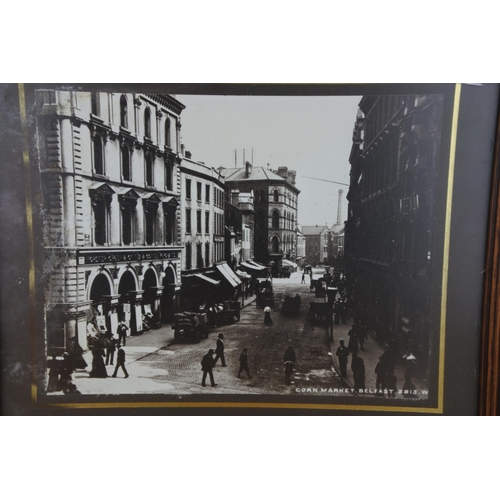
(336, 238)
(316, 244)
(240, 226)
(389, 232)
(301, 247)
(205, 274)
(276, 207)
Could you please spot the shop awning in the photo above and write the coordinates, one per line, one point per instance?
(204, 278)
(250, 266)
(288, 263)
(260, 266)
(228, 273)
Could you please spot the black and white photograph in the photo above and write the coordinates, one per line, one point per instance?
(242, 247)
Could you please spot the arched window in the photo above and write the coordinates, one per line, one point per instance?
(123, 112)
(275, 244)
(168, 139)
(276, 196)
(126, 170)
(98, 157)
(149, 170)
(147, 123)
(276, 219)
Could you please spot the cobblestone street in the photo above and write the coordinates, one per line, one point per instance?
(158, 365)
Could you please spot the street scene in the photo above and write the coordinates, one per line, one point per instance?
(167, 274)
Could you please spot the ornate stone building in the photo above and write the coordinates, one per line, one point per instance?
(276, 207)
(110, 185)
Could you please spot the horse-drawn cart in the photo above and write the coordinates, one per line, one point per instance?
(190, 326)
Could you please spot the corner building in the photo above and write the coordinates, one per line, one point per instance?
(110, 185)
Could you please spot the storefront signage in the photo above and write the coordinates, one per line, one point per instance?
(111, 257)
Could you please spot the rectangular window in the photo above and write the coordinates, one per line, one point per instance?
(207, 254)
(127, 224)
(168, 176)
(199, 255)
(207, 222)
(188, 220)
(198, 221)
(188, 189)
(100, 222)
(150, 213)
(198, 191)
(207, 193)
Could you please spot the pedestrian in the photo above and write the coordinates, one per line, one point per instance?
(207, 363)
(329, 323)
(98, 367)
(336, 311)
(120, 362)
(122, 333)
(353, 341)
(110, 350)
(244, 363)
(343, 354)
(391, 384)
(358, 372)
(267, 316)
(290, 360)
(219, 350)
(343, 311)
(303, 278)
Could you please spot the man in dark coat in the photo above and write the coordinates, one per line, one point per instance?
(120, 362)
(219, 351)
(122, 333)
(342, 353)
(244, 363)
(110, 350)
(358, 371)
(207, 363)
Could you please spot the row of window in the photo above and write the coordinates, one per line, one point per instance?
(199, 191)
(124, 118)
(199, 218)
(261, 196)
(126, 164)
(200, 261)
(130, 223)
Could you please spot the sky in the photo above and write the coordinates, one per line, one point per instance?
(309, 134)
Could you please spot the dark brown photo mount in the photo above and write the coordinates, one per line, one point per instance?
(456, 401)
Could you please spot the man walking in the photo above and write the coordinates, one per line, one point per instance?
(244, 363)
(110, 350)
(342, 353)
(120, 362)
(219, 350)
(303, 278)
(358, 372)
(207, 363)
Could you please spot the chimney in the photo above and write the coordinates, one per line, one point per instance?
(182, 149)
(188, 154)
(283, 172)
(339, 208)
(235, 195)
(248, 166)
(291, 177)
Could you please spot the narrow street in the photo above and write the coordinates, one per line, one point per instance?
(158, 365)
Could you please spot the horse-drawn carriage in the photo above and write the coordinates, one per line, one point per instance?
(190, 326)
(291, 305)
(318, 312)
(231, 311)
(265, 295)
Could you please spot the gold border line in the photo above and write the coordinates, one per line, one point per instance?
(31, 248)
(446, 250)
(312, 406)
